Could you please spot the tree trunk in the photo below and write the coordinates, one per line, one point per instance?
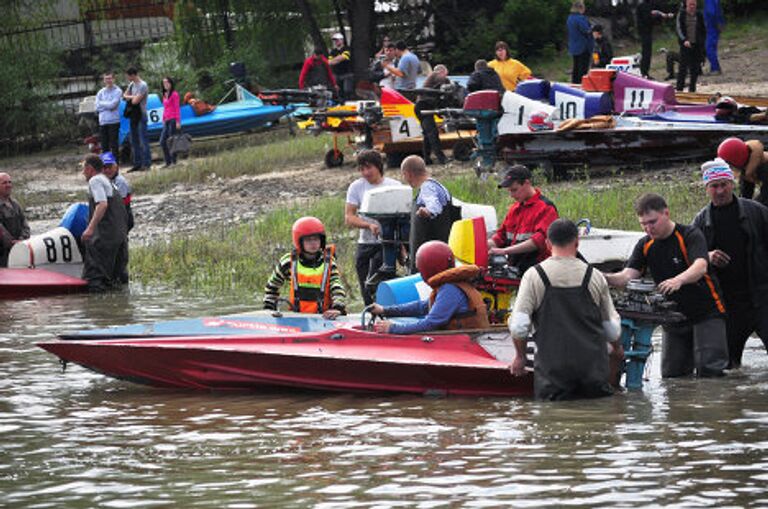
(362, 18)
(314, 29)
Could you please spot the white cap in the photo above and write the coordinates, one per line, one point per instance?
(337, 35)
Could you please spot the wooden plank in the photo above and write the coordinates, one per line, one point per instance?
(697, 98)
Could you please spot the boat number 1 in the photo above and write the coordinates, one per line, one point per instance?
(51, 252)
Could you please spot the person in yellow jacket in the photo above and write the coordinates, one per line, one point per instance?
(310, 268)
(510, 70)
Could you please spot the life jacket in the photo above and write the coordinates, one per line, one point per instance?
(477, 316)
(311, 286)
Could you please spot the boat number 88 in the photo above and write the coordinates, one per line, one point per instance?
(51, 251)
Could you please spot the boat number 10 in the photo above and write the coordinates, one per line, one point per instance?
(51, 251)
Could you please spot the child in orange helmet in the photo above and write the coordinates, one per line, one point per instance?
(310, 268)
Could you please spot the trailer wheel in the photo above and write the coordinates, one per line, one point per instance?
(334, 158)
(462, 150)
(394, 159)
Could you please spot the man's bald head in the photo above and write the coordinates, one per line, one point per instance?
(414, 165)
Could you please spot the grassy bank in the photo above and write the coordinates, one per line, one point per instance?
(251, 160)
(238, 260)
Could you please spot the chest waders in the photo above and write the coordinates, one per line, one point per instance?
(571, 353)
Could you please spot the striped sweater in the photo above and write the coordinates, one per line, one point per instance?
(282, 274)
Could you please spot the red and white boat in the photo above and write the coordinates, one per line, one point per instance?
(45, 264)
(261, 351)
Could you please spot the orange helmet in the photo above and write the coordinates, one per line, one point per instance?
(434, 257)
(734, 151)
(305, 226)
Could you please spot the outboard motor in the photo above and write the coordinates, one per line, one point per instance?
(642, 308)
(485, 107)
(391, 207)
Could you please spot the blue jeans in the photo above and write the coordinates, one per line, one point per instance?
(713, 36)
(169, 129)
(140, 143)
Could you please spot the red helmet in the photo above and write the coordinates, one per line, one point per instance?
(434, 257)
(305, 226)
(734, 151)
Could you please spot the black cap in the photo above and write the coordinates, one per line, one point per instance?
(515, 173)
(597, 28)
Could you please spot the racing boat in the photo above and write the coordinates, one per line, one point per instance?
(263, 351)
(49, 263)
(245, 113)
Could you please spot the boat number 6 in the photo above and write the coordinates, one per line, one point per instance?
(154, 116)
(51, 252)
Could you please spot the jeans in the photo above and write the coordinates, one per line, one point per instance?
(646, 52)
(580, 66)
(169, 129)
(140, 143)
(713, 36)
(368, 259)
(689, 64)
(109, 135)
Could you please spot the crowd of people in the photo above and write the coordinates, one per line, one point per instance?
(714, 270)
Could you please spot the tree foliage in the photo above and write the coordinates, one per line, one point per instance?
(30, 63)
(530, 27)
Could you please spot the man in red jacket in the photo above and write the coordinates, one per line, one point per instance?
(317, 71)
(523, 234)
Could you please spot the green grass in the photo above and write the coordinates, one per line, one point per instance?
(252, 160)
(237, 260)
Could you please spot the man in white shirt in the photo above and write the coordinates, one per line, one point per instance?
(368, 257)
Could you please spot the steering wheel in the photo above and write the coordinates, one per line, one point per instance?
(367, 323)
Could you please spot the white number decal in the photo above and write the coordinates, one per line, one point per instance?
(637, 98)
(569, 106)
(155, 115)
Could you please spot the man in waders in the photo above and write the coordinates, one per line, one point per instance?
(736, 231)
(433, 211)
(105, 237)
(454, 303)
(577, 328)
(677, 259)
(13, 223)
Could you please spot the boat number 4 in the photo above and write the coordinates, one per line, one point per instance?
(52, 253)
(637, 98)
(404, 127)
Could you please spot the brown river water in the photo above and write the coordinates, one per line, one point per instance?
(80, 440)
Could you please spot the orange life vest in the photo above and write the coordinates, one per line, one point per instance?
(311, 287)
(477, 316)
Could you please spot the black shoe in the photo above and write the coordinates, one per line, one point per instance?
(134, 168)
(670, 77)
(428, 161)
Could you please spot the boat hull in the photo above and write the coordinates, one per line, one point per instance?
(345, 359)
(23, 283)
(646, 143)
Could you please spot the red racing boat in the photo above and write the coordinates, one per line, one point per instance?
(23, 283)
(259, 351)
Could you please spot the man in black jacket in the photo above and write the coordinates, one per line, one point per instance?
(691, 34)
(736, 231)
(484, 78)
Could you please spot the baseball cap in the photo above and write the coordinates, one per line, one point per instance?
(108, 158)
(717, 169)
(337, 35)
(515, 173)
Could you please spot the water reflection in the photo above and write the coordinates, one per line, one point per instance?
(82, 440)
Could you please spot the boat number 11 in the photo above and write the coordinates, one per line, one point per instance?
(637, 98)
(52, 253)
